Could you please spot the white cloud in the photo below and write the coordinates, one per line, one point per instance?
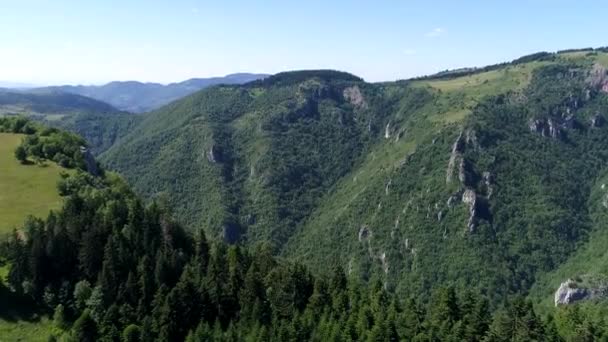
(409, 52)
(436, 32)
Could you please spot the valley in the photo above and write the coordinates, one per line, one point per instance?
(441, 207)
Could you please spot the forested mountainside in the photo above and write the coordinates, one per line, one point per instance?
(138, 97)
(12, 102)
(481, 178)
(107, 267)
(98, 122)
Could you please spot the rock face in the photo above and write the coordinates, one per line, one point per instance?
(469, 197)
(487, 182)
(214, 155)
(569, 292)
(456, 155)
(354, 96)
(598, 78)
(548, 127)
(364, 233)
(89, 161)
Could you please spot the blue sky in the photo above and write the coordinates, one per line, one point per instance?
(94, 41)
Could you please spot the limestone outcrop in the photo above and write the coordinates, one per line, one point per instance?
(571, 291)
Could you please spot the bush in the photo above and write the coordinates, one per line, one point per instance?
(21, 154)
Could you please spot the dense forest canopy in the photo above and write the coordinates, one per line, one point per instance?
(311, 205)
(109, 268)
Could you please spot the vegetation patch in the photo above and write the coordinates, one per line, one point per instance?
(25, 189)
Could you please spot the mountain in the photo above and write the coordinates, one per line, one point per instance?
(419, 210)
(46, 103)
(109, 267)
(137, 97)
(479, 178)
(16, 85)
(100, 123)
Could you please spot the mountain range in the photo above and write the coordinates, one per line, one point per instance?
(488, 182)
(138, 97)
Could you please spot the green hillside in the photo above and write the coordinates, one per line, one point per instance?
(480, 177)
(110, 268)
(98, 122)
(24, 189)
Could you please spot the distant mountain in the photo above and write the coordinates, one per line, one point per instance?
(49, 102)
(100, 123)
(138, 97)
(16, 85)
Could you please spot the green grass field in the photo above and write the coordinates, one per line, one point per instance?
(24, 189)
(37, 329)
(22, 320)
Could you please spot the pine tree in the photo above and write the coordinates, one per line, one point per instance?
(59, 319)
(21, 154)
(82, 293)
(85, 328)
(132, 333)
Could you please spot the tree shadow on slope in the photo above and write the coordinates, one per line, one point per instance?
(15, 307)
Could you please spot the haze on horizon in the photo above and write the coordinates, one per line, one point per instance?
(94, 42)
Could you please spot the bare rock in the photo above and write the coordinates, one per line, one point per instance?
(469, 197)
(598, 77)
(486, 176)
(554, 129)
(384, 262)
(354, 96)
(537, 125)
(457, 149)
(546, 128)
(471, 138)
(364, 233)
(453, 199)
(462, 175)
(569, 292)
(214, 154)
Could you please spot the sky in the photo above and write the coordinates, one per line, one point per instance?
(47, 42)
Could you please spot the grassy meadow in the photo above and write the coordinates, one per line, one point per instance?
(24, 189)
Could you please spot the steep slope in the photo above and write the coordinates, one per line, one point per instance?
(138, 97)
(475, 178)
(222, 154)
(493, 201)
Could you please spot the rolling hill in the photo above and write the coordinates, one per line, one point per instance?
(138, 97)
(477, 178)
(98, 122)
